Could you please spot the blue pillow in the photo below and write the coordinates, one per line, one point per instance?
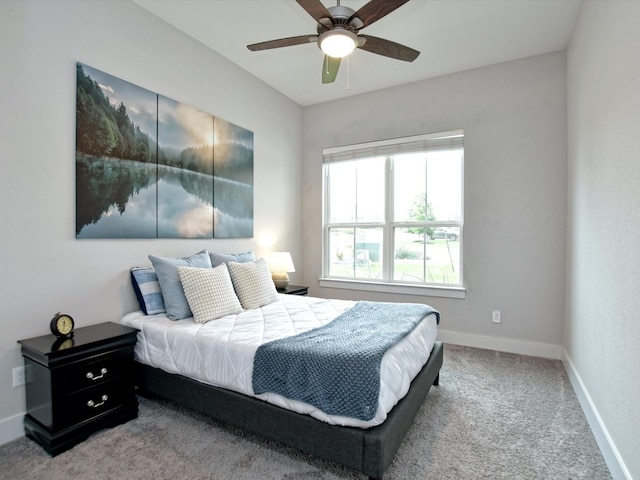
(220, 258)
(145, 284)
(166, 269)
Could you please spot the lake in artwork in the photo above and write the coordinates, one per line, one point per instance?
(150, 167)
(119, 199)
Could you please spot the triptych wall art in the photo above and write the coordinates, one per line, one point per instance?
(150, 167)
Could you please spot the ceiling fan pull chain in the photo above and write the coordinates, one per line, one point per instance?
(348, 73)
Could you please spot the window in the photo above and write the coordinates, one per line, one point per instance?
(393, 211)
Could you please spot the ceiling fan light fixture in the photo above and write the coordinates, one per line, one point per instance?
(338, 43)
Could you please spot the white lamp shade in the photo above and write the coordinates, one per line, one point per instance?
(280, 262)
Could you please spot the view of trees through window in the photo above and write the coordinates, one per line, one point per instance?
(396, 218)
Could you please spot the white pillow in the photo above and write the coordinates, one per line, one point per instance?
(209, 292)
(253, 284)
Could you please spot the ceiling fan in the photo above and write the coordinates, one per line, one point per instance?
(339, 34)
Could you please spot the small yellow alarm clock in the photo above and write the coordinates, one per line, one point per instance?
(62, 325)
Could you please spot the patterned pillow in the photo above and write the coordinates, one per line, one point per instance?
(253, 284)
(209, 292)
(167, 271)
(218, 258)
(145, 284)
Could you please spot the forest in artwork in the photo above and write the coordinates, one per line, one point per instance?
(105, 130)
(148, 166)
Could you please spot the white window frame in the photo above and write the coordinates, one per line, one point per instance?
(388, 148)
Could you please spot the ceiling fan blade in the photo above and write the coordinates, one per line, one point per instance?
(388, 48)
(318, 11)
(283, 42)
(375, 10)
(330, 67)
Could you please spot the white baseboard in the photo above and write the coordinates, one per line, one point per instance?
(11, 428)
(611, 455)
(533, 349)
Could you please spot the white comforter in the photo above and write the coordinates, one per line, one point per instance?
(221, 352)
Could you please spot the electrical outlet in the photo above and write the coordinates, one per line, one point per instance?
(19, 377)
(496, 316)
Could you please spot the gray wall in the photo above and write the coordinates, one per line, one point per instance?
(602, 335)
(514, 117)
(44, 268)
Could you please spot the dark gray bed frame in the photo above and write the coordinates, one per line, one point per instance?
(368, 451)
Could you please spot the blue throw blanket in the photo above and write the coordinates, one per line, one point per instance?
(336, 368)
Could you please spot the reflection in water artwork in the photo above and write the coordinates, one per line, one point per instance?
(150, 167)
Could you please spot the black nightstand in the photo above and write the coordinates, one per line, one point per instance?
(79, 387)
(294, 290)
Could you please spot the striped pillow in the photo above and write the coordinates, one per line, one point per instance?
(253, 283)
(147, 288)
(209, 292)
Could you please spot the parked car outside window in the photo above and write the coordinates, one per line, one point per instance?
(446, 233)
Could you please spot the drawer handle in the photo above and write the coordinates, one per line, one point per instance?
(91, 376)
(93, 404)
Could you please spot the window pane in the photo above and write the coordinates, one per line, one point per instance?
(355, 252)
(435, 261)
(342, 192)
(356, 191)
(443, 257)
(409, 180)
(408, 262)
(370, 190)
(444, 184)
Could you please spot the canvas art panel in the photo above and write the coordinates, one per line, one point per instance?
(185, 171)
(116, 159)
(233, 186)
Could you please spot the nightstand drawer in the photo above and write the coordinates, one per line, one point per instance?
(100, 369)
(87, 404)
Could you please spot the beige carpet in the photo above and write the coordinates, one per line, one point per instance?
(494, 416)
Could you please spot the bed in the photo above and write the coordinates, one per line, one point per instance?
(212, 366)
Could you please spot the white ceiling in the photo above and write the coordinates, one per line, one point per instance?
(452, 36)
